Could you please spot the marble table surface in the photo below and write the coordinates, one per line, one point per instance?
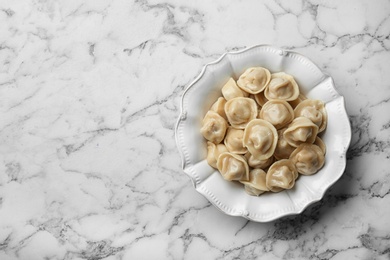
(89, 97)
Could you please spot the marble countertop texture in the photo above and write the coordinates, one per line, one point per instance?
(89, 97)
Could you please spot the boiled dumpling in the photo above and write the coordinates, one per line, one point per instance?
(283, 148)
(320, 144)
(233, 167)
(254, 80)
(240, 111)
(260, 98)
(278, 112)
(213, 127)
(256, 184)
(231, 90)
(281, 175)
(219, 107)
(296, 102)
(256, 163)
(301, 130)
(213, 152)
(260, 137)
(233, 141)
(282, 86)
(314, 110)
(308, 158)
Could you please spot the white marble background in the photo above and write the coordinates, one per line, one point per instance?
(89, 95)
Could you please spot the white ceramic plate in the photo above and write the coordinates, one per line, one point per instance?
(230, 197)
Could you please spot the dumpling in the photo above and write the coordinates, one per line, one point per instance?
(320, 144)
(254, 80)
(240, 111)
(260, 98)
(219, 107)
(260, 137)
(233, 167)
(301, 130)
(314, 110)
(213, 127)
(233, 141)
(281, 175)
(231, 90)
(213, 152)
(308, 158)
(294, 103)
(256, 184)
(256, 163)
(278, 112)
(282, 86)
(283, 149)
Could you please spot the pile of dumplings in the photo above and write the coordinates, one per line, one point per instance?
(263, 133)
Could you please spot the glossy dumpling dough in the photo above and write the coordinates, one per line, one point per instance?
(296, 102)
(219, 107)
(282, 86)
(278, 112)
(213, 152)
(308, 158)
(315, 111)
(213, 127)
(233, 167)
(231, 90)
(233, 141)
(320, 144)
(260, 137)
(254, 80)
(256, 184)
(283, 148)
(260, 98)
(256, 163)
(281, 175)
(240, 111)
(301, 130)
